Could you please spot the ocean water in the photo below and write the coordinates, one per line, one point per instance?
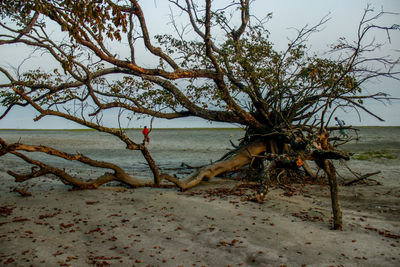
(375, 138)
(169, 147)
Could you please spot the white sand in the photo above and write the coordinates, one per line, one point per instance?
(163, 227)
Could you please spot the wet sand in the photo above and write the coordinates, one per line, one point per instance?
(201, 227)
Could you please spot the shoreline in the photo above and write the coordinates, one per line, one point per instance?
(179, 129)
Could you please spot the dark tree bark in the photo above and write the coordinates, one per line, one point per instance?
(330, 171)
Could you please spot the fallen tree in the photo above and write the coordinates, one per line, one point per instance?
(285, 99)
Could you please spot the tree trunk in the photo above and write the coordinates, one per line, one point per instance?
(329, 169)
(244, 156)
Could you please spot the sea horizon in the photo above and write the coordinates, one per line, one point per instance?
(166, 128)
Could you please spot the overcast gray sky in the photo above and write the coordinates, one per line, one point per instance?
(345, 16)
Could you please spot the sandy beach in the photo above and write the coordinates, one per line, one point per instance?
(209, 225)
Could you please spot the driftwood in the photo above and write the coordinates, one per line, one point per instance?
(361, 178)
(22, 192)
(187, 166)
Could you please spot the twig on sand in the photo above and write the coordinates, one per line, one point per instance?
(361, 178)
(22, 192)
(187, 166)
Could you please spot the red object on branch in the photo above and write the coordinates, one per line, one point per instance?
(146, 132)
